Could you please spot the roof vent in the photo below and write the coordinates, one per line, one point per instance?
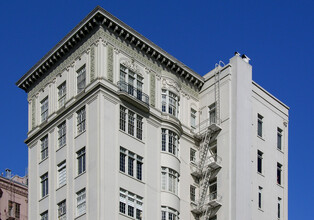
(245, 58)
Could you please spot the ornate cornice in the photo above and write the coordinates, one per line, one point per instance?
(101, 18)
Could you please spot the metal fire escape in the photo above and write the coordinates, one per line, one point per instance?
(209, 162)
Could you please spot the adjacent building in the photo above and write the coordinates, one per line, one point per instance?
(13, 197)
(120, 129)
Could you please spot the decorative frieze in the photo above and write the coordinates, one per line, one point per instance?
(152, 89)
(110, 63)
(92, 64)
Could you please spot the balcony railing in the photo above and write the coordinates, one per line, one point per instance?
(133, 92)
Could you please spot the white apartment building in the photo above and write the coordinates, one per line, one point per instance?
(120, 129)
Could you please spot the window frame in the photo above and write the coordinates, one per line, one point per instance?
(62, 210)
(44, 215)
(62, 92)
(81, 202)
(61, 170)
(81, 161)
(260, 161)
(130, 204)
(193, 118)
(62, 135)
(279, 174)
(212, 114)
(260, 198)
(279, 138)
(169, 180)
(44, 152)
(81, 79)
(170, 102)
(131, 123)
(260, 125)
(192, 193)
(131, 164)
(44, 106)
(81, 120)
(44, 185)
(169, 141)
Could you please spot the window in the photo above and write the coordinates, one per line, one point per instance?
(192, 155)
(62, 174)
(260, 197)
(279, 169)
(279, 208)
(131, 83)
(131, 204)
(81, 119)
(44, 216)
(135, 163)
(128, 120)
(192, 193)
(44, 109)
(62, 89)
(139, 127)
(212, 114)
(168, 213)
(193, 118)
(14, 209)
(279, 139)
(259, 161)
(131, 123)
(62, 211)
(81, 202)
(169, 141)
(169, 102)
(44, 185)
(81, 161)
(44, 147)
(259, 125)
(169, 180)
(62, 134)
(81, 79)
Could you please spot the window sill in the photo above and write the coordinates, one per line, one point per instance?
(281, 186)
(132, 177)
(43, 198)
(280, 151)
(132, 136)
(80, 216)
(81, 174)
(260, 174)
(80, 134)
(260, 137)
(61, 187)
(127, 216)
(60, 147)
(260, 209)
(43, 160)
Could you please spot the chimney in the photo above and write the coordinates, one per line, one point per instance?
(8, 173)
(245, 58)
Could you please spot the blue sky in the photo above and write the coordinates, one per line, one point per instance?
(278, 36)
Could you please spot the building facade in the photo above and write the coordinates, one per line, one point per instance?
(120, 129)
(13, 197)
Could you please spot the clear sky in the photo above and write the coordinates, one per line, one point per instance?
(278, 36)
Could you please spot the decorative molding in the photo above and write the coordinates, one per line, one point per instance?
(169, 83)
(92, 64)
(33, 112)
(132, 66)
(110, 63)
(152, 89)
(66, 62)
(13, 188)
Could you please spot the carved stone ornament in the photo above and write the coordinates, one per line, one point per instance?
(168, 83)
(132, 66)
